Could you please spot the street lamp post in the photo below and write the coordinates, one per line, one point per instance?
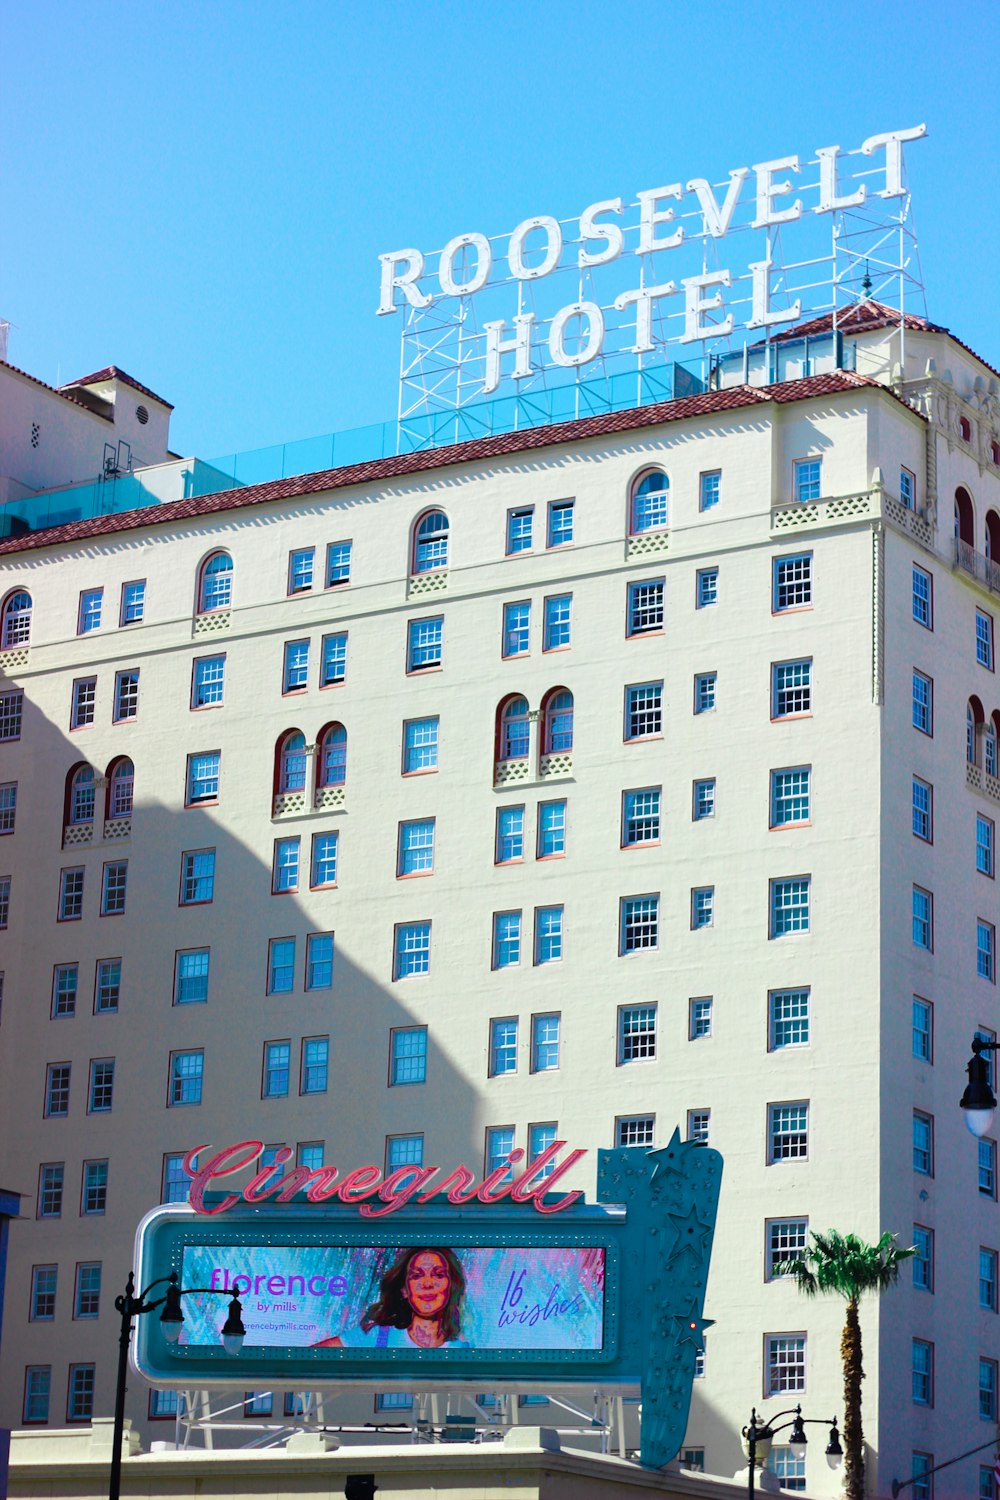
(758, 1435)
(978, 1103)
(130, 1307)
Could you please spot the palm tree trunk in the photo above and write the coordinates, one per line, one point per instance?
(854, 1442)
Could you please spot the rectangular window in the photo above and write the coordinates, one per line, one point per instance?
(338, 564)
(636, 1033)
(923, 1029)
(175, 1182)
(323, 863)
(499, 1145)
(126, 695)
(645, 607)
(87, 1297)
(987, 1168)
(643, 710)
(790, 797)
(202, 783)
(503, 1046)
(309, 1154)
(548, 934)
(788, 1132)
(923, 919)
(706, 591)
(634, 1130)
(560, 528)
(415, 855)
(285, 867)
(191, 977)
(789, 906)
(4, 901)
(94, 1194)
(640, 923)
(43, 1293)
(403, 1151)
(197, 877)
(641, 817)
(37, 1388)
(186, 1071)
(420, 745)
(295, 672)
(89, 617)
(557, 622)
(699, 1017)
(988, 1390)
(50, 1189)
(985, 838)
(300, 570)
(506, 939)
(70, 895)
(923, 1258)
(423, 648)
(510, 835)
(784, 1240)
(57, 1076)
(281, 966)
(413, 949)
(545, 1043)
(698, 1124)
(540, 1138)
(791, 688)
(101, 1094)
(807, 478)
(407, 1055)
(8, 806)
(703, 799)
(785, 1355)
(315, 1065)
(11, 706)
(551, 830)
(333, 660)
(519, 525)
(319, 961)
(984, 639)
(65, 979)
(704, 692)
(922, 1372)
(277, 1059)
(113, 887)
(708, 489)
(923, 703)
(80, 1393)
(987, 1279)
(83, 704)
(164, 1404)
(208, 681)
(923, 1143)
(986, 951)
(922, 802)
(396, 1401)
(702, 906)
(907, 488)
(792, 582)
(923, 611)
(516, 629)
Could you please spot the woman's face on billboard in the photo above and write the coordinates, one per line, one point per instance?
(428, 1284)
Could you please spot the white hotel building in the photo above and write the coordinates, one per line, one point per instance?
(579, 782)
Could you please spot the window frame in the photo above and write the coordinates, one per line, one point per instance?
(805, 582)
(778, 1154)
(201, 686)
(407, 769)
(918, 604)
(636, 606)
(431, 664)
(780, 714)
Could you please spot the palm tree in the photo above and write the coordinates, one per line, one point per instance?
(845, 1266)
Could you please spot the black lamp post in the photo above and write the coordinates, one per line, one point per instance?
(130, 1306)
(979, 1101)
(758, 1435)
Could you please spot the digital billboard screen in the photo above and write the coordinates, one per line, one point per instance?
(418, 1297)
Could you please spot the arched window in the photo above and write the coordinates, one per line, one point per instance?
(965, 524)
(16, 620)
(557, 722)
(81, 795)
(332, 769)
(215, 583)
(993, 535)
(965, 428)
(513, 729)
(121, 784)
(990, 744)
(430, 542)
(292, 762)
(973, 723)
(648, 508)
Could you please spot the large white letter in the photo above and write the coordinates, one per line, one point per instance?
(496, 345)
(595, 335)
(695, 306)
(553, 250)
(644, 297)
(611, 233)
(446, 265)
(762, 313)
(828, 200)
(414, 263)
(768, 190)
(650, 216)
(718, 220)
(893, 140)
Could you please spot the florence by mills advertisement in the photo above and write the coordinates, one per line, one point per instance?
(418, 1297)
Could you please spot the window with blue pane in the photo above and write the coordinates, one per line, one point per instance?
(315, 1065)
(551, 829)
(703, 906)
(704, 692)
(987, 1168)
(988, 1390)
(650, 498)
(790, 797)
(404, 1151)
(643, 710)
(94, 1199)
(197, 876)
(703, 799)
(215, 589)
(641, 817)
(323, 870)
(186, 1072)
(560, 529)
(503, 1047)
(416, 847)
(548, 934)
(510, 834)
(922, 918)
(519, 526)
(176, 1181)
(516, 628)
(133, 602)
(514, 730)
(209, 681)
(699, 1017)
(420, 745)
(424, 639)
(338, 564)
(499, 1145)
(43, 1293)
(557, 622)
(408, 1055)
(921, 597)
(922, 708)
(986, 951)
(791, 689)
(319, 961)
(984, 639)
(37, 1389)
(788, 1468)
(430, 542)
(788, 1018)
(987, 1279)
(191, 986)
(281, 966)
(708, 489)
(922, 1029)
(296, 673)
(985, 836)
(413, 949)
(277, 1056)
(923, 1258)
(789, 906)
(87, 1298)
(203, 777)
(91, 605)
(808, 479)
(506, 939)
(300, 569)
(645, 607)
(540, 1138)
(792, 582)
(309, 1154)
(706, 587)
(333, 659)
(923, 1144)
(921, 809)
(545, 1043)
(286, 866)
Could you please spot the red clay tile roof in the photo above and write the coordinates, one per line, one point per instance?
(709, 402)
(112, 372)
(66, 395)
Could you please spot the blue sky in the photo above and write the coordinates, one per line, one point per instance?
(198, 193)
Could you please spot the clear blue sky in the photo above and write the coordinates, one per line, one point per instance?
(198, 192)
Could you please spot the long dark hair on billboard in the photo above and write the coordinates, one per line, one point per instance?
(394, 1308)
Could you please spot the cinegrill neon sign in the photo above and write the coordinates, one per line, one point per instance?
(363, 1184)
(758, 198)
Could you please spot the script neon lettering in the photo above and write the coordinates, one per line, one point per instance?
(361, 1183)
(262, 1186)
(230, 1159)
(496, 1177)
(398, 1188)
